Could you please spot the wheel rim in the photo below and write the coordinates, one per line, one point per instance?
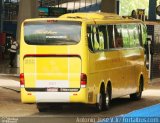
(107, 100)
(100, 103)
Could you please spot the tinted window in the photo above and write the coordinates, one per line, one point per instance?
(111, 38)
(118, 36)
(125, 35)
(102, 37)
(97, 37)
(144, 34)
(134, 35)
(52, 32)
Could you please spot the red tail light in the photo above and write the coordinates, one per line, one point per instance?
(83, 80)
(22, 79)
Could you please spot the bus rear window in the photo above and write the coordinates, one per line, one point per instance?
(52, 32)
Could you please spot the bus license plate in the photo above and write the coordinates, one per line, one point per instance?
(52, 89)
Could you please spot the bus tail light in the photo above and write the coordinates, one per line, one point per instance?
(22, 79)
(83, 80)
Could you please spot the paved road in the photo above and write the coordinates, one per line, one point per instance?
(12, 109)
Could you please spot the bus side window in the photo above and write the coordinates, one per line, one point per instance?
(102, 37)
(95, 38)
(89, 36)
(118, 36)
(110, 34)
(134, 36)
(125, 35)
(138, 36)
(144, 34)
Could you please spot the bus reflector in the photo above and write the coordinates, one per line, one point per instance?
(83, 80)
(22, 79)
(29, 94)
(74, 94)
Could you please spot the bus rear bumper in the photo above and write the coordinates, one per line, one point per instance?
(54, 97)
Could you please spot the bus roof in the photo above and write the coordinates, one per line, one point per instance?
(98, 16)
(91, 15)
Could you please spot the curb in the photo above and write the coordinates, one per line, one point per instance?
(11, 88)
(11, 75)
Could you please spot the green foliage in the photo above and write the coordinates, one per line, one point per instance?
(126, 6)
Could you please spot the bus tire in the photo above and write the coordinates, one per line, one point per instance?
(100, 106)
(138, 95)
(108, 97)
(41, 107)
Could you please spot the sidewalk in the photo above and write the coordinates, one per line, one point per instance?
(10, 82)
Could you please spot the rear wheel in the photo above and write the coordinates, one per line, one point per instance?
(104, 99)
(108, 98)
(101, 104)
(138, 95)
(42, 107)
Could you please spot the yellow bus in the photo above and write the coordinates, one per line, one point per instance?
(88, 58)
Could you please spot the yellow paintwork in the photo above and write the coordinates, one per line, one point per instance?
(25, 98)
(52, 69)
(122, 67)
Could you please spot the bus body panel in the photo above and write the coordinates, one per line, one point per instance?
(119, 68)
(52, 71)
(58, 97)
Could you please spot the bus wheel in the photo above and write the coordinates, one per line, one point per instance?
(108, 98)
(101, 104)
(102, 100)
(137, 95)
(41, 107)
